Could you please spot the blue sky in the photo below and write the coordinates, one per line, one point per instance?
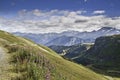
(45, 16)
(13, 6)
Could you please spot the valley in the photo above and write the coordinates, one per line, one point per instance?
(102, 56)
(32, 62)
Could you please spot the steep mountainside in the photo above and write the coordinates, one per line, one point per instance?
(72, 37)
(30, 61)
(71, 51)
(104, 55)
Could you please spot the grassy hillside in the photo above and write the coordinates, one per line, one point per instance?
(36, 62)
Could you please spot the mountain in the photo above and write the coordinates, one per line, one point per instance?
(73, 37)
(29, 61)
(38, 38)
(65, 40)
(71, 52)
(104, 56)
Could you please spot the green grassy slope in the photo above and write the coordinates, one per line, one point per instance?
(36, 62)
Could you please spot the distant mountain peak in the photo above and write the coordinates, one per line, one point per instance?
(107, 28)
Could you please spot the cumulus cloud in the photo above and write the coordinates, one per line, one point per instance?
(37, 21)
(99, 12)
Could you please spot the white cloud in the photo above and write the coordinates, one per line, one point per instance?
(37, 21)
(99, 12)
(37, 12)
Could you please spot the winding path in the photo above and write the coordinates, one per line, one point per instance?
(4, 65)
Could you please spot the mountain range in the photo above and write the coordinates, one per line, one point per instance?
(26, 60)
(22, 59)
(68, 38)
(103, 56)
